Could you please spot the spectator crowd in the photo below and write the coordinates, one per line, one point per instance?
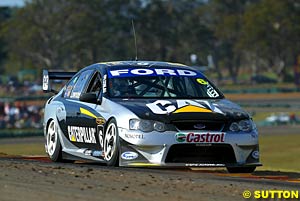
(20, 115)
(15, 113)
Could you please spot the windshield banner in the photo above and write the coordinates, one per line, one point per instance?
(133, 72)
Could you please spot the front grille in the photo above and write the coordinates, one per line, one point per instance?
(196, 125)
(193, 153)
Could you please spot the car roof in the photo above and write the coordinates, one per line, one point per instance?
(140, 64)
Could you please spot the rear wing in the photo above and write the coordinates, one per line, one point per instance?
(47, 76)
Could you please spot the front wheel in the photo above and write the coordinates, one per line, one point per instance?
(241, 169)
(53, 146)
(111, 144)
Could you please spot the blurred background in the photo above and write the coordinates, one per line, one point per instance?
(249, 48)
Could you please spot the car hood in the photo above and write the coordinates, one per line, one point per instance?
(174, 110)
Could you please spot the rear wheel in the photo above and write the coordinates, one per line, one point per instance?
(111, 144)
(241, 169)
(53, 145)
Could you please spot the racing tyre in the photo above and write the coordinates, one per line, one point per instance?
(241, 169)
(111, 144)
(53, 146)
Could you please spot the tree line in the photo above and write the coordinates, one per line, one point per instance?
(239, 35)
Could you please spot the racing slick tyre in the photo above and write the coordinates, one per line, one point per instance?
(241, 169)
(111, 144)
(53, 146)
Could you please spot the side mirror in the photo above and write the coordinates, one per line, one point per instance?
(100, 98)
(88, 97)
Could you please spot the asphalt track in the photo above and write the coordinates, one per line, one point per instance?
(271, 177)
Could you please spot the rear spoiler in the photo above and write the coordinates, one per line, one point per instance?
(47, 76)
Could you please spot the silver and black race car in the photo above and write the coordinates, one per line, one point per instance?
(140, 113)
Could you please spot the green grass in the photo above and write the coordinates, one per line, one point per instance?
(23, 149)
(280, 152)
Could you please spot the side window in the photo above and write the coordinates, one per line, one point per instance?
(80, 84)
(70, 86)
(95, 85)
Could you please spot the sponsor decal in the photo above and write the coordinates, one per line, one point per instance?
(88, 152)
(94, 153)
(104, 83)
(75, 95)
(97, 153)
(211, 92)
(45, 82)
(100, 129)
(143, 164)
(134, 136)
(82, 151)
(161, 107)
(191, 108)
(201, 81)
(180, 137)
(200, 137)
(129, 155)
(133, 72)
(82, 134)
(87, 113)
(181, 106)
(255, 154)
(100, 120)
(204, 165)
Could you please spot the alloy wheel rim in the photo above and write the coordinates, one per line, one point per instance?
(110, 142)
(51, 138)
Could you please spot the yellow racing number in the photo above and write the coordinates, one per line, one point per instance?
(201, 81)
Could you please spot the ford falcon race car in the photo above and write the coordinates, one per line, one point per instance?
(140, 113)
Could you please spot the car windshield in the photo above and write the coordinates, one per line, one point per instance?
(162, 87)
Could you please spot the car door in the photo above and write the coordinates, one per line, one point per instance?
(80, 128)
(93, 115)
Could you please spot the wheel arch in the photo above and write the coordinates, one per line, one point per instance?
(47, 124)
(108, 120)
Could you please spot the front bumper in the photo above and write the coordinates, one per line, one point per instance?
(166, 149)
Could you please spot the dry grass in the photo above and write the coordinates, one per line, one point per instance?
(280, 152)
(23, 149)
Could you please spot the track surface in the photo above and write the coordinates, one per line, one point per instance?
(37, 178)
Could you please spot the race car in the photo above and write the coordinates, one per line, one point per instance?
(146, 114)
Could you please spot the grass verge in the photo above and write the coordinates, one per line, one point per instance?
(280, 152)
(23, 149)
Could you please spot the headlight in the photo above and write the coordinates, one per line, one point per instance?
(146, 125)
(246, 125)
(134, 124)
(234, 127)
(158, 126)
